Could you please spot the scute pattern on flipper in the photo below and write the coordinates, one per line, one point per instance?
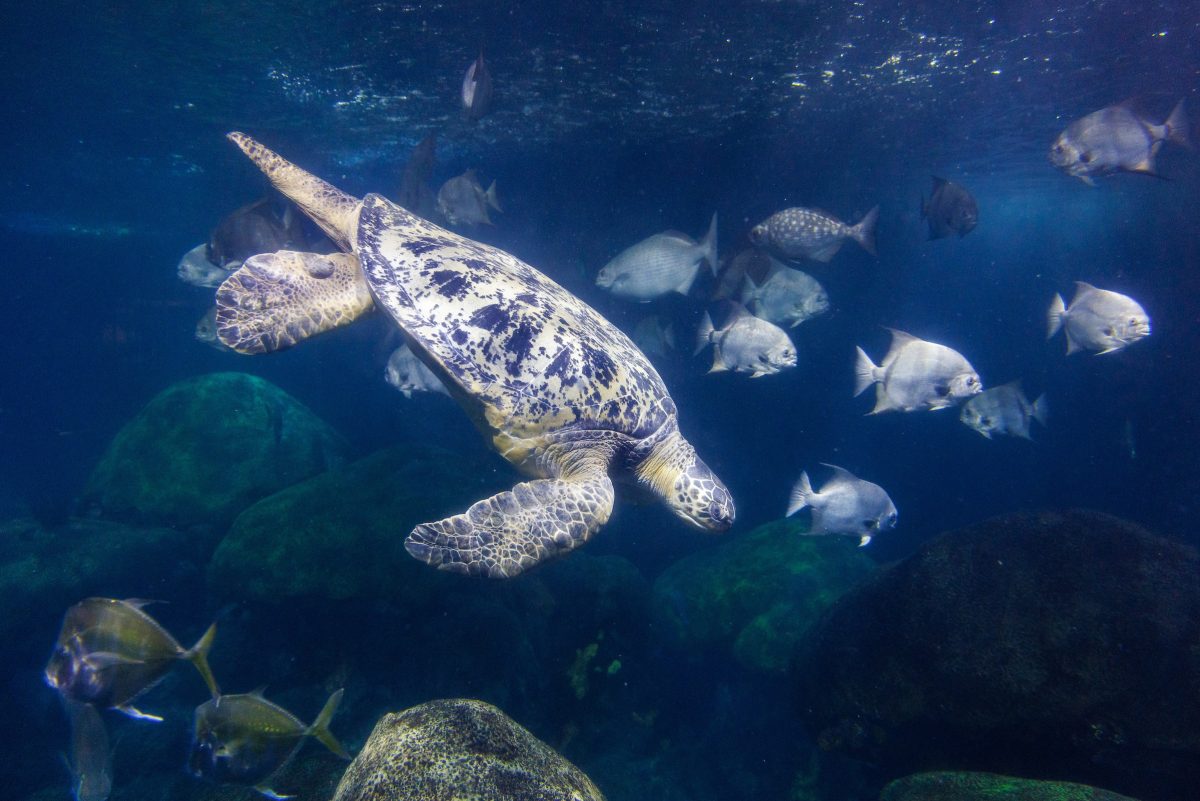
(275, 300)
(512, 531)
(536, 357)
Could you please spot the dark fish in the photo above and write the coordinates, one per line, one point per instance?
(109, 652)
(256, 228)
(462, 201)
(246, 739)
(477, 90)
(951, 209)
(415, 192)
(1115, 139)
(90, 761)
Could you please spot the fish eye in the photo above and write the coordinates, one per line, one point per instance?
(987, 421)
(1086, 158)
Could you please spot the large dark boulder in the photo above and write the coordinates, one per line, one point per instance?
(206, 448)
(756, 596)
(950, 786)
(460, 749)
(340, 535)
(1067, 643)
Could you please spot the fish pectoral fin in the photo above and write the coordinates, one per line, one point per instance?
(864, 540)
(99, 660)
(138, 714)
(1087, 179)
(269, 793)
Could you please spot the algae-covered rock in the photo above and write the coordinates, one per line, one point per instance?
(758, 594)
(341, 534)
(460, 748)
(208, 447)
(1055, 639)
(951, 786)
(43, 571)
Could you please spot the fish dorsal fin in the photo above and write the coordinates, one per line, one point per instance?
(840, 475)
(1082, 288)
(258, 692)
(141, 603)
(900, 340)
(679, 235)
(1014, 384)
(938, 182)
(470, 175)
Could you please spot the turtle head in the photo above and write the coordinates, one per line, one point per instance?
(329, 207)
(682, 479)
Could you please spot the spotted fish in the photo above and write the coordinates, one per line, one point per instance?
(800, 233)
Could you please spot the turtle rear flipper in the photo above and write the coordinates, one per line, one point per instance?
(508, 533)
(275, 300)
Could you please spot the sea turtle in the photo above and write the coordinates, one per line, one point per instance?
(558, 390)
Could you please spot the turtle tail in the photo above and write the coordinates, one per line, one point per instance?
(508, 533)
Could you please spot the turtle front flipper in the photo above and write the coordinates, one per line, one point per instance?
(511, 532)
(275, 300)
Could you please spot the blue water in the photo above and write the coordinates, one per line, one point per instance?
(611, 123)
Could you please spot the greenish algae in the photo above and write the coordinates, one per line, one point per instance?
(954, 786)
(759, 594)
(206, 448)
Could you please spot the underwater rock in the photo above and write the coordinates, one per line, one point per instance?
(1068, 643)
(206, 448)
(459, 748)
(340, 534)
(950, 786)
(756, 595)
(43, 571)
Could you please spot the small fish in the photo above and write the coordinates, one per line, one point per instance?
(109, 652)
(90, 761)
(845, 505)
(195, 268)
(1097, 320)
(246, 739)
(477, 90)
(415, 194)
(654, 336)
(800, 233)
(950, 209)
(658, 265)
(746, 344)
(916, 374)
(1003, 410)
(206, 331)
(1115, 139)
(408, 374)
(462, 201)
(786, 297)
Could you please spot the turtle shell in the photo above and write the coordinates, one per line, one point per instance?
(523, 354)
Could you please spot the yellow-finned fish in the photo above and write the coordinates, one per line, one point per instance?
(109, 652)
(246, 739)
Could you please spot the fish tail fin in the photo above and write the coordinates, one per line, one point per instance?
(864, 231)
(1054, 317)
(1175, 129)
(864, 372)
(708, 245)
(492, 199)
(749, 293)
(1040, 411)
(320, 726)
(704, 334)
(800, 494)
(198, 656)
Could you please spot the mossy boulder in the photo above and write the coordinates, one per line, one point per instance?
(1057, 640)
(206, 448)
(340, 535)
(951, 786)
(43, 571)
(460, 748)
(757, 595)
